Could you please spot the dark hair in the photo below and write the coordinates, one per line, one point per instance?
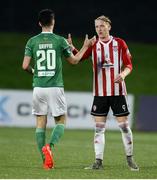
(46, 16)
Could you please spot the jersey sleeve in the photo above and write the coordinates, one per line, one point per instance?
(126, 56)
(87, 54)
(28, 48)
(66, 49)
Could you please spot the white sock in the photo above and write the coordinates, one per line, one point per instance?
(99, 140)
(127, 138)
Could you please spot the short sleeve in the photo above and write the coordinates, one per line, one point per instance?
(66, 48)
(126, 56)
(28, 48)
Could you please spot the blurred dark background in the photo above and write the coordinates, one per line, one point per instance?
(131, 20)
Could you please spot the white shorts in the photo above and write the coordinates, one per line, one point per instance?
(49, 100)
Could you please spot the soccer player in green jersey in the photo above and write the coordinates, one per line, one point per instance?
(46, 50)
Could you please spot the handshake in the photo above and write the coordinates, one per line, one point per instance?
(87, 42)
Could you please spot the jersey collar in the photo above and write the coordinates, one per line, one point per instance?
(111, 37)
(47, 32)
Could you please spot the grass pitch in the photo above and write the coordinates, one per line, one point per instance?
(19, 157)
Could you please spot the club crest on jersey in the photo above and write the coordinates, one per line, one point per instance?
(115, 48)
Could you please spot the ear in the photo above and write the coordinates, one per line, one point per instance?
(109, 27)
(53, 22)
(40, 24)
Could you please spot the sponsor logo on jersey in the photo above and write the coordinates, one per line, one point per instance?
(46, 73)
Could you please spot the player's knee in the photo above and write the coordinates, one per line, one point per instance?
(60, 119)
(124, 127)
(100, 127)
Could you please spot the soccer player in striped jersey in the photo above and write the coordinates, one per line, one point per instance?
(46, 50)
(111, 64)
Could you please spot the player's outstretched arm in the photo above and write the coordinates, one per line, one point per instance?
(74, 59)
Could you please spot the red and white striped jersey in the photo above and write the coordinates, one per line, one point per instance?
(108, 60)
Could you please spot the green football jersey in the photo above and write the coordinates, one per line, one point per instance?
(47, 50)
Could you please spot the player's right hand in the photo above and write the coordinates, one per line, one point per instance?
(69, 39)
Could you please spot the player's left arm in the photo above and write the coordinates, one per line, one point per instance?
(27, 58)
(26, 65)
(127, 63)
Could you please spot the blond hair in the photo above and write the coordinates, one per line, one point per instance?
(104, 18)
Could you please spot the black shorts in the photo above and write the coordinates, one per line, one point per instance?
(102, 104)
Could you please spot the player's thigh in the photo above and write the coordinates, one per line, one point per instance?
(40, 105)
(121, 119)
(57, 102)
(100, 106)
(98, 119)
(119, 106)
